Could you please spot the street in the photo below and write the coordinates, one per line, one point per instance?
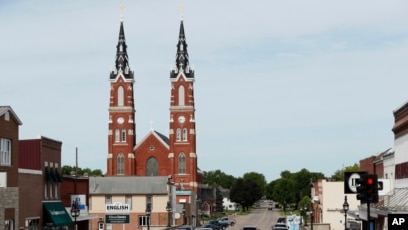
(260, 217)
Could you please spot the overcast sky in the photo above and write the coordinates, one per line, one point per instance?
(280, 85)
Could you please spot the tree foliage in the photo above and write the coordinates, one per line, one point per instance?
(245, 193)
(219, 178)
(339, 174)
(71, 170)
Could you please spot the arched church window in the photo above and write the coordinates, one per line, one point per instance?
(123, 135)
(185, 134)
(120, 164)
(181, 95)
(152, 167)
(178, 134)
(182, 163)
(120, 96)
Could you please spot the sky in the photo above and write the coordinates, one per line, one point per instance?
(279, 85)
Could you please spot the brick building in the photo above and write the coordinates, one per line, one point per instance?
(9, 191)
(40, 168)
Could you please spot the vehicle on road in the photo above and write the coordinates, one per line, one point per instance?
(217, 223)
(229, 221)
(280, 226)
(185, 227)
(212, 226)
(250, 228)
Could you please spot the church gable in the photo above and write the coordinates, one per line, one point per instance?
(152, 156)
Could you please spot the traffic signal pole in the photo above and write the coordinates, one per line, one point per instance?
(368, 216)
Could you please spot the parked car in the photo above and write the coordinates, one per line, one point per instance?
(229, 221)
(185, 227)
(212, 226)
(217, 223)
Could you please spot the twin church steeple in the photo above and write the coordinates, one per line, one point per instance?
(156, 154)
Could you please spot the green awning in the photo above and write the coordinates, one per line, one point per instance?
(54, 212)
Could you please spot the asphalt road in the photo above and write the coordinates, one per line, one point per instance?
(260, 217)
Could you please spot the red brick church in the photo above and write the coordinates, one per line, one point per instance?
(156, 154)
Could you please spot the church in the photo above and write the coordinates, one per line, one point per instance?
(155, 154)
(157, 179)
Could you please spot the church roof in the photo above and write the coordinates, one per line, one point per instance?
(164, 138)
(128, 185)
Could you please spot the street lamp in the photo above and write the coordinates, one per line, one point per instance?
(311, 217)
(75, 212)
(184, 214)
(168, 209)
(148, 212)
(345, 209)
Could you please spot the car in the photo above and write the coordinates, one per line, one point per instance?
(202, 228)
(250, 228)
(270, 206)
(281, 220)
(280, 226)
(185, 227)
(217, 223)
(229, 221)
(212, 226)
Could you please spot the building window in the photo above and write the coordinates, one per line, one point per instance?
(182, 163)
(178, 134)
(143, 220)
(117, 135)
(120, 164)
(181, 95)
(184, 134)
(32, 224)
(56, 191)
(46, 190)
(152, 167)
(5, 152)
(149, 201)
(108, 199)
(128, 200)
(123, 135)
(120, 96)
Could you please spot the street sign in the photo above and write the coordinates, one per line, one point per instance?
(117, 219)
(350, 178)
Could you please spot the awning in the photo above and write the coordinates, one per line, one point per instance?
(54, 212)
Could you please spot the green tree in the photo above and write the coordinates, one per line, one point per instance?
(258, 178)
(284, 191)
(339, 174)
(219, 206)
(218, 177)
(245, 193)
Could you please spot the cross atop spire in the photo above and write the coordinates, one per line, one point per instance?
(121, 8)
(181, 11)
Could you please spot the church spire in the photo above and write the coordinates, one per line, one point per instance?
(121, 60)
(182, 59)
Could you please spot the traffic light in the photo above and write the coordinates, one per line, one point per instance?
(372, 188)
(361, 188)
(367, 188)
